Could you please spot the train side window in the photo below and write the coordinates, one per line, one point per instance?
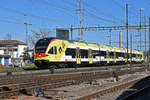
(111, 54)
(51, 51)
(122, 54)
(103, 53)
(55, 48)
(70, 52)
(95, 53)
(73, 53)
(84, 53)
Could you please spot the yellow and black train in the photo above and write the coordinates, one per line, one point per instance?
(49, 52)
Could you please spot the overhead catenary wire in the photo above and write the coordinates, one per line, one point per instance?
(57, 7)
(131, 11)
(102, 13)
(27, 14)
(98, 17)
(70, 3)
(8, 21)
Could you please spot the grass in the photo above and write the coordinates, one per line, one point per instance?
(27, 66)
(4, 70)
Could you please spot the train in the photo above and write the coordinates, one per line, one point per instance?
(52, 52)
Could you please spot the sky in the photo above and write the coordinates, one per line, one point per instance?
(52, 14)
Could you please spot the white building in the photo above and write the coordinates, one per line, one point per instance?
(11, 49)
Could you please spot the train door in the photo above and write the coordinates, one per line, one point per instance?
(125, 54)
(136, 58)
(140, 57)
(90, 56)
(130, 56)
(114, 57)
(78, 57)
(107, 56)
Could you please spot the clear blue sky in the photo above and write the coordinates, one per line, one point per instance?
(62, 13)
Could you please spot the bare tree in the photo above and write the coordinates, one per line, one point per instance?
(8, 36)
(36, 35)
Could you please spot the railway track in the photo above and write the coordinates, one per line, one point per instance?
(138, 93)
(31, 73)
(15, 86)
(141, 93)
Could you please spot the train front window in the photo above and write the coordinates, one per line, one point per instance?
(42, 44)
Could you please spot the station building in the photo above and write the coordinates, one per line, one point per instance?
(10, 50)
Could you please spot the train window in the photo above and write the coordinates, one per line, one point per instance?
(95, 53)
(111, 55)
(55, 48)
(70, 52)
(40, 50)
(51, 51)
(119, 54)
(103, 53)
(73, 53)
(41, 45)
(122, 55)
(84, 53)
(133, 55)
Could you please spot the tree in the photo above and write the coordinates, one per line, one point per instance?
(38, 35)
(26, 55)
(8, 36)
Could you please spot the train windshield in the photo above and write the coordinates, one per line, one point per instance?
(42, 44)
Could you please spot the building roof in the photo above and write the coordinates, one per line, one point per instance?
(11, 42)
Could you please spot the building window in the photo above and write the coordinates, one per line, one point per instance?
(15, 49)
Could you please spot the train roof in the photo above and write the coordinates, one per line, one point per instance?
(103, 46)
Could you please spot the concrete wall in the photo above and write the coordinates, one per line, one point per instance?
(1, 51)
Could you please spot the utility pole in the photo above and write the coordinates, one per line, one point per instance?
(149, 41)
(145, 35)
(131, 46)
(80, 32)
(120, 40)
(26, 24)
(140, 28)
(110, 39)
(71, 32)
(127, 30)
